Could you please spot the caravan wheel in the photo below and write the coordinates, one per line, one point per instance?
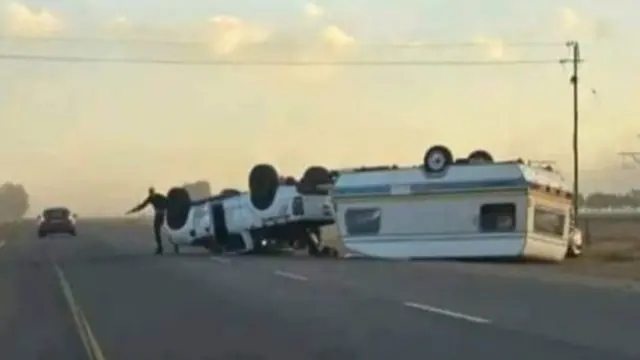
(437, 158)
(480, 157)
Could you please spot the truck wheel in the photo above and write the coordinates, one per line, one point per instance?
(289, 180)
(312, 178)
(263, 185)
(227, 193)
(178, 207)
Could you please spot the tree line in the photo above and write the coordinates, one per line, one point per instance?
(14, 202)
(14, 199)
(599, 200)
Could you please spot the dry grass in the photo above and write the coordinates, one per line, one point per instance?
(613, 249)
(611, 229)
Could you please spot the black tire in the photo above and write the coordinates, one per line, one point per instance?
(290, 180)
(229, 193)
(480, 157)
(263, 185)
(312, 177)
(42, 234)
(437, 159)
(72, 233)
(178, 207)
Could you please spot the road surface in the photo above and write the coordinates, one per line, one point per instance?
(102, 295)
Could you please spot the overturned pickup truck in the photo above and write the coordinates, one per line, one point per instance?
(275, 213)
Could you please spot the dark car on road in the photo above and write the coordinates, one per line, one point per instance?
(56, 220)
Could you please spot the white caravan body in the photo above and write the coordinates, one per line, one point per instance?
(466, 211)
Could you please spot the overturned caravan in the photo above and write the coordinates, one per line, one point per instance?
(467, 208)
(275, 213)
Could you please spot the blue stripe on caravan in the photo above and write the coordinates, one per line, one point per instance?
(467, 185)
(362, 190)
(372, 190)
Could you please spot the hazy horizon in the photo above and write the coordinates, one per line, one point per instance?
(94, 136)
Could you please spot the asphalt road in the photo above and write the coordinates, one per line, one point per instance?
(131, 305)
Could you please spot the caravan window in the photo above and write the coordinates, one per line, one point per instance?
(362, 221)
(498, 217)
(548, 221)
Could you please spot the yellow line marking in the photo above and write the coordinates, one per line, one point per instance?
(82, 325)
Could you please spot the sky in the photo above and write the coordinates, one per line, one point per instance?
(94, 136)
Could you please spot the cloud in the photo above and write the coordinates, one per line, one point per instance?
(235, 38)
(313, 11)
(24, 21)
(335, 36)
(576, 24)
(230, 33)
(571, 20)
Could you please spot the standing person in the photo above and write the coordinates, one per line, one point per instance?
(159, 203)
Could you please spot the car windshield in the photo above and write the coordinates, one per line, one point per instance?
(59, 213)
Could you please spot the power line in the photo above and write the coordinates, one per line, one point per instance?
(397, 44)
(488, 42)
(359, 63)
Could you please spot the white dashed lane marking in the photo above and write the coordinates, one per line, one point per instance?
(413, 305)
(2, 243)
(446, 312)
(289, 275)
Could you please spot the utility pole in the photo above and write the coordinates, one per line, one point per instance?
(575, 61)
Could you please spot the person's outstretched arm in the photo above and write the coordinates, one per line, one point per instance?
(141, 206)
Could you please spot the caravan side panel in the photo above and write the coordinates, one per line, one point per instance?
(431, 226)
